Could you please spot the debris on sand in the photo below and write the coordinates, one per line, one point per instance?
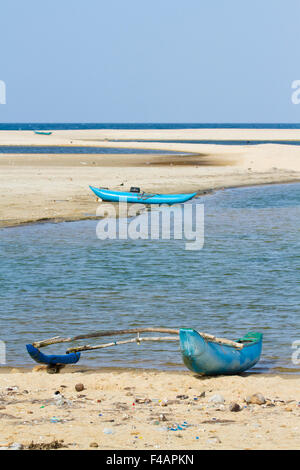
(142, 400)
(55, 444)
(61, 401)
(217, 398)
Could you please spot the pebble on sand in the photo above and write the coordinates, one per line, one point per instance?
(234, 407)
(94, 444)
(162, 417)
(256, 399)
(79, 387)
(214, 440)
(289, 408)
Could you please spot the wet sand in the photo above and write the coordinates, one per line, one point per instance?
(56, 187)
(130, 409)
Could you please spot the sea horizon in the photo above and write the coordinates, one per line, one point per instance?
(143, 125)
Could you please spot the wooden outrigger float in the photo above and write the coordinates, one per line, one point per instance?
(202, 353)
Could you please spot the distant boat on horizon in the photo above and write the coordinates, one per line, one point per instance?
(43, 132)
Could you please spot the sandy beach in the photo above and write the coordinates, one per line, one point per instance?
(136, 409)
(56, 187)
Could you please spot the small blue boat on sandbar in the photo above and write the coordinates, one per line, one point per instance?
(207, 357)
(141, 197)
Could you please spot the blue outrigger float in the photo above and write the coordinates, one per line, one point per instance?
(208, 357)
(51, 360)
(202, 353)
(140, 197)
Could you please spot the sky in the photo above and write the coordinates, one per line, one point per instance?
(149, 61)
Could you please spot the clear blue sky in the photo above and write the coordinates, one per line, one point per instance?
(149, 60)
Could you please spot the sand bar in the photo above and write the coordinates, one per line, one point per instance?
(56, 187)
(94, 136)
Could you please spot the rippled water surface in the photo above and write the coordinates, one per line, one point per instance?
(59, 279)
(56, 149)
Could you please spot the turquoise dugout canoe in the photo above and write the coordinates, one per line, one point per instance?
(209, 358)
(142, 198)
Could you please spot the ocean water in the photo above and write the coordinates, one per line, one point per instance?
(59, 279)
(105, 150)
(151, 125)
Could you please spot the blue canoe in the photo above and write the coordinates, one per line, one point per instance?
(42, 133)
(41, 358)
(142, 198)
(211, 358)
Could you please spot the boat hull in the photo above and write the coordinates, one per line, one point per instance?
(141, 198)
(210, 358)
(42, 133)
(41, 358)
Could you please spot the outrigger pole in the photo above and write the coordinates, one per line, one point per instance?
(138, 339)
(72, 356)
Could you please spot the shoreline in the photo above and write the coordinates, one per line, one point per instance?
(5, 369)
(54, 220)
(55, 188)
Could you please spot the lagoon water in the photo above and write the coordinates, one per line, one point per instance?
(59, 279)
(55, 149)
